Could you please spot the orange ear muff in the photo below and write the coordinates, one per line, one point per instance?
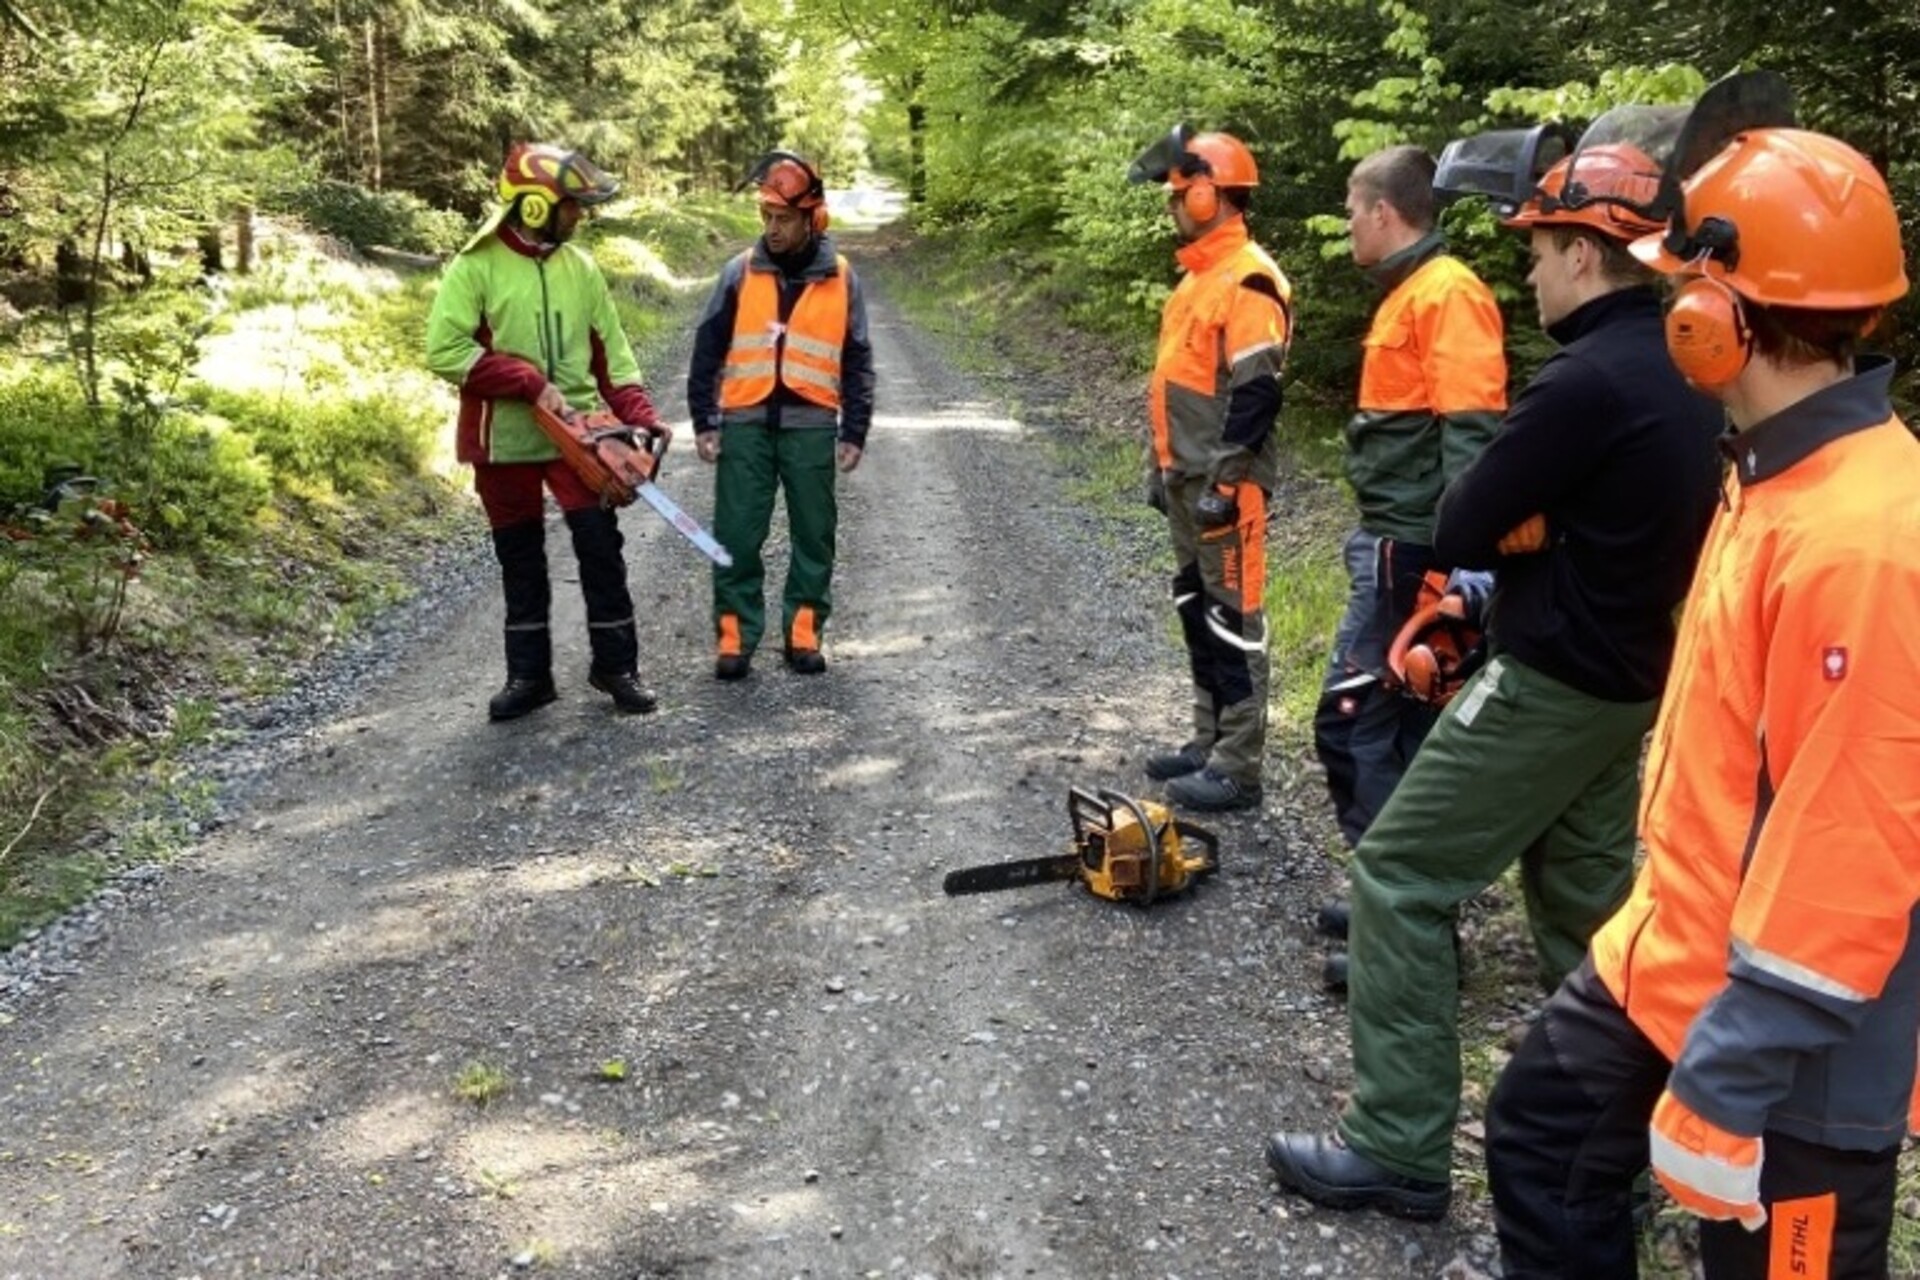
(535, 209)
(820, 218)
(1202, 200)
(1707, 333)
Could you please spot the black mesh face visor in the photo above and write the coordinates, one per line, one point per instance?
(1504, 165)
(1165, 158)
(585, 181)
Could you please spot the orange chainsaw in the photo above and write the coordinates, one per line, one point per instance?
(618, 462)
(1124, 849)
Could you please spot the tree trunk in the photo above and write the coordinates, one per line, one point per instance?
(374, 71)
(916, 153)
(243, 238)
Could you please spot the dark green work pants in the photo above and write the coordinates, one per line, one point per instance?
(755, 461)
(1520, 768)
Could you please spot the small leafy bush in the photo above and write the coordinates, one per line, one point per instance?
(351, 446)
(362, 218)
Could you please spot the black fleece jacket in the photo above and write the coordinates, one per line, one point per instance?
(1612, 446)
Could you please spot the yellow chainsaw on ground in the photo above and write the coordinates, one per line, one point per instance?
(1124, 849)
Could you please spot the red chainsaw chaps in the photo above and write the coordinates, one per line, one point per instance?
(602, 451)
(1429, 660)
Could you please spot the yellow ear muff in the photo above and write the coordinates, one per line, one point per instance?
(1202, 200)
(535, 209)
(1707, 333)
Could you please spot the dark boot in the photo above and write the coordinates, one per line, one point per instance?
(733, 661)
(803, 644)
(522, 552)
(1333, 917)
(610, 631)
(1324, 1169)
(628, 693)
(806, 662)
(1333, 972)
(1167, 765)
(520, 695)
(1209, 791)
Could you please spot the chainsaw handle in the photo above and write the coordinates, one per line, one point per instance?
(1151, 834)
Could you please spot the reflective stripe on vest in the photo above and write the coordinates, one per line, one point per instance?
(807, 362)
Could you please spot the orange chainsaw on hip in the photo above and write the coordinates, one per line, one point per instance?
(618, 462)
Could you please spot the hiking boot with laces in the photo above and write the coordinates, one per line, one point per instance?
(624, 687)
(520, 695)
(1210, 791)
(1175, 764)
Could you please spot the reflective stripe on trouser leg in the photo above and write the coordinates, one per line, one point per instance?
(804, 459)
(1512, 753)
(603, 583)
(522, 552)
(743, 489)
(1233, 572)
(1190, 607)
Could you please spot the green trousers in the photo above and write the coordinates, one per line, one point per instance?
(755, 461)
(1520, 768)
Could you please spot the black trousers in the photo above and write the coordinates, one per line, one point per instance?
(1567, 1137)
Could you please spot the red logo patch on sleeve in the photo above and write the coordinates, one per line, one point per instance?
(1833, 663)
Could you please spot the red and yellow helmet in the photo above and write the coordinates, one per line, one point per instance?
(1610, 188)
(541, 176)
(1787, 218)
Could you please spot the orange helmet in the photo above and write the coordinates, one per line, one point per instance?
(786, 179)
(1787, 218)
(1608, 188)
(1180, 159)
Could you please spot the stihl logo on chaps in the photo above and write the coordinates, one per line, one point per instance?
(1802, 1232)
(1833, 662)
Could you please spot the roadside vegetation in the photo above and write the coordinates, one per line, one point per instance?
(263, 468)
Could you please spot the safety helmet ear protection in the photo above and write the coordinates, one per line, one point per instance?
(1196, 166)
(1707, 332)
(537, 177)
(785, 178)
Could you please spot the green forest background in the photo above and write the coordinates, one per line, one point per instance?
(187, 184)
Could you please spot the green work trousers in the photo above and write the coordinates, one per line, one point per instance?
(1520, 768)
(755, 460)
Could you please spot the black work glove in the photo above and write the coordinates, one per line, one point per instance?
(1216, 506)
(1157, 490)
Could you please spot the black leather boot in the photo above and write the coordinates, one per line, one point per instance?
(522, 552)
(610, 629)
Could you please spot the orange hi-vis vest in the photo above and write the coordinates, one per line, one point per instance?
(802, 354)
(1769, 945)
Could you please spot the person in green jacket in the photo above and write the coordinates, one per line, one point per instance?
(523, 318)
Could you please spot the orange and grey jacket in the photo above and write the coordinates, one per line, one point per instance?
(1770, 944)
(785, 343)
(1215, 391)
(1433, 384)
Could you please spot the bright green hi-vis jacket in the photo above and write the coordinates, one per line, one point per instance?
(511, 317)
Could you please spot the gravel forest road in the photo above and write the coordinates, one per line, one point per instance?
(740, 1030)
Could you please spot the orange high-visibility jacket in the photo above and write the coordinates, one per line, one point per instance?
(1433, 384)
(1227, 323)
(1769, 945)
(803, 354)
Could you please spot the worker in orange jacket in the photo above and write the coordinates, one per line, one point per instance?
(1746, 1023)
(1213, 402)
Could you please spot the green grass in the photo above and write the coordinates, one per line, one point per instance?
(481, 1083)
